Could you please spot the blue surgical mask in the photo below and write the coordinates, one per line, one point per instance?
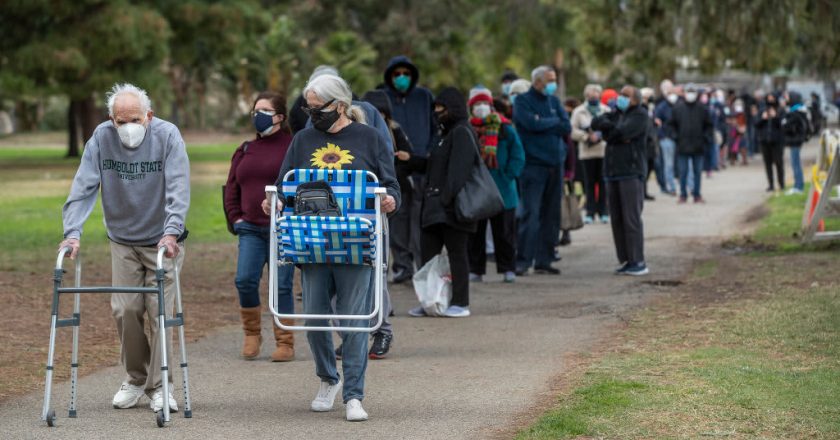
(622, 102)
(506, 89)
(550, 88)
(513, 99)
(402, 83)
(263, 122)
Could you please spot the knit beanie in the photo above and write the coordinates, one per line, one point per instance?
(608, 95)
(480, 94)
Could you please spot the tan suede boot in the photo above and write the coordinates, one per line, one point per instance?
(285, 341)
(251, 317)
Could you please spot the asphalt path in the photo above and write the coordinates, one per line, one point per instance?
(445, 378)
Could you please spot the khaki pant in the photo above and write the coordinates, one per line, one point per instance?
(134, 266)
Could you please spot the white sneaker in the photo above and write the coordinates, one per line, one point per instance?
(127, 396)
(355, 412)
(325, 398)
(157, 401)
(457, 312)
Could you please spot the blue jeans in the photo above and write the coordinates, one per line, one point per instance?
(668, 148)
(539, 228)
(254, 245)
(352, 286)
(696, 169)
(796, 164)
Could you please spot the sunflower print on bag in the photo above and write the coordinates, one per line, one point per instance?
(331, 157)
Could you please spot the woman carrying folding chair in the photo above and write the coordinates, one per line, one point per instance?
(339, 140)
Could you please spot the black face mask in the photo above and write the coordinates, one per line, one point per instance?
(323, 121)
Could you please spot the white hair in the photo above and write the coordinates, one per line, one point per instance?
(592, 89)
(323, 69)
(519, 86)
(540, 72)
(333, 88)
(126, 88)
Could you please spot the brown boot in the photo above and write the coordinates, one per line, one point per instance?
(285, 341)
(251, 317)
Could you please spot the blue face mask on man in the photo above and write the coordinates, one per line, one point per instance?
(550, 88)
(506, 89)
(622, 102)
(402, 83)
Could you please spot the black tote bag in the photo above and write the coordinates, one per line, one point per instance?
(479, 198)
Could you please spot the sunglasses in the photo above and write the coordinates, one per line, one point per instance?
(265, 112)
(400, 73)
(310, 110)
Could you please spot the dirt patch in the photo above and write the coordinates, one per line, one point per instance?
(209, 297)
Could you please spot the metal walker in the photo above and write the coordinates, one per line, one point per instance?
(161, 417)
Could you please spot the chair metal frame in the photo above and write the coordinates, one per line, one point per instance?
(377, 263)
(163, 416)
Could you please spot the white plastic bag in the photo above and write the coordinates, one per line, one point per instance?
(433, 285)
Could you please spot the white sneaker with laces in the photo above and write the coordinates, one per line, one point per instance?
(355, 412)
(127, 396)
(325, 398)
(157, 401)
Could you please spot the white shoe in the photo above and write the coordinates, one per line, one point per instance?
(157, 401)
(325, 398)
(457, 312)
(355, 412)
(127, 396)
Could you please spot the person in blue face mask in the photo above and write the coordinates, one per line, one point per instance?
(412, 107)
(254, 165)
(627, 132)
(542, 124)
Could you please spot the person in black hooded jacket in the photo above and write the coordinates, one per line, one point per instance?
(771, 138)
(446, 175)
(625, 167)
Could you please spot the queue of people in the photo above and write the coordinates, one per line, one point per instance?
(418, 145)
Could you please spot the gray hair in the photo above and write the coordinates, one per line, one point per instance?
(592, 88)
(323, 69)
(519, 86)
(333, 88)
(126, 88)
(540, 72)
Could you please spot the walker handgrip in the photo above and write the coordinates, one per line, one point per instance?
(61, 254)
(160, 254)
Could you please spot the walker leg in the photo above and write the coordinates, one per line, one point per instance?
(47, 414)
(182, 343)
(74, 363)
(164, 367)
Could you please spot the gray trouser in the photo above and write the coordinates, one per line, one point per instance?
(134, 266)
(626, 198)
(405, 228)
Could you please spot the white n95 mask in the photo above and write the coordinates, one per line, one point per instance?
(131, 134)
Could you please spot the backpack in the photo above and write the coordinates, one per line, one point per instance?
(316, 198)
(795, 128)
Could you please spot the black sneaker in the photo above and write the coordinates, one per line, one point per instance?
(521, 271)
(338, 352)
(548, 270)
(381, 345)
(402, 277)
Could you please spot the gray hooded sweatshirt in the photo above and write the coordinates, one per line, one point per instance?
(145, 191)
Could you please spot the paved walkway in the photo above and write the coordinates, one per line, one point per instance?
(445, 378)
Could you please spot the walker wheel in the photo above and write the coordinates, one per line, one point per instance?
(159, 418)
(51, 418)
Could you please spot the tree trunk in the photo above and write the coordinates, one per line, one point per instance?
(560, 66)
(73, 129)
(89, 117)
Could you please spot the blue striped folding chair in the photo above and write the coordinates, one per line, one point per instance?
(353, 238)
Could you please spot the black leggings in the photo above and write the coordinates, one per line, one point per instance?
(774, 154)
(433, 239)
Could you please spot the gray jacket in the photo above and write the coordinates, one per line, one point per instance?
(145, 191)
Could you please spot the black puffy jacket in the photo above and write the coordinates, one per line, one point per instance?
(692, 127)
(626, 134)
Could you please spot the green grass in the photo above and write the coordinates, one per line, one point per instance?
(781, 228)
(31, 221)
(771, 370)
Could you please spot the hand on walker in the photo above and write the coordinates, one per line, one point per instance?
(170, 242)
(73, 244)
(266, 206)
(388, 204)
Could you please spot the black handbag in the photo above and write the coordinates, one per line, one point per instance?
(479, 198)
(316, 198)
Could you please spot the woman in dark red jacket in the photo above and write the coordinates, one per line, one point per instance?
(254, 165)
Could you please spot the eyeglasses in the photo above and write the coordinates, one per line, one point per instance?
(310, 110)
(263, 111)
